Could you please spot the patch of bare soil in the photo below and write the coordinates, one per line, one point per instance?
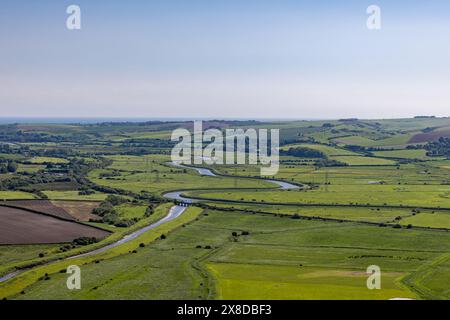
(80, 210)
(44, 206)
(429, 136)
(19, 226)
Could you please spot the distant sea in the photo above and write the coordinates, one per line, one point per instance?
(75, 120)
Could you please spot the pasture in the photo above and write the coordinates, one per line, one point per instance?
(388, 206)
(212, 257)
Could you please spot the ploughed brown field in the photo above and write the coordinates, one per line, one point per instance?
(24, 227)
(80, 210)
(44, 206)
(430, 136)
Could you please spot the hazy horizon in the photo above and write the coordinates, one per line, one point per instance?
(93, 120)
(224, 60)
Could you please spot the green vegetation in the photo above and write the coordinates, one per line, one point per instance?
(363, 161)
(48, 160)
(372, 192)
(216, 257)
(12, 195)
(74, 195)
(404, 154)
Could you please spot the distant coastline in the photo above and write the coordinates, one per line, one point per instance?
(93, 120)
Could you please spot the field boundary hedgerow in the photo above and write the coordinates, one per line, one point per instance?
(27, 278)
(299, 204)
(413, 280)
(319, 218)
(111, 239)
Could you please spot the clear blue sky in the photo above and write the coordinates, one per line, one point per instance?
(224, 58)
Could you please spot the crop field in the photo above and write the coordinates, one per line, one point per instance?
(24, 227)
(12, 195)
(79, 210)
(96, 199)
(40, 206)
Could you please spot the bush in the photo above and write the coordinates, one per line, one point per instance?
(84, 241)
(115, 200)
(149, 211)
(12, 166)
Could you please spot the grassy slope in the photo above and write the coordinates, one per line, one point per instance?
(333, 258)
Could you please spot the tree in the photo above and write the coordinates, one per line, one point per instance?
(12, 166)
(149, 211)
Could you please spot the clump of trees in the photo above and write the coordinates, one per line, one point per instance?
(438, 148)
(84, 241)
(9, 166)
(109, 214)
(303, 153)
(149, 211)
(115, 200)
(329, 163)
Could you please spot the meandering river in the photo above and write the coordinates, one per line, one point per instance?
(174, 213)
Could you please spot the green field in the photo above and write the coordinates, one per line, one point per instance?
(405, 154)
(73, 195)
(363, 161)
(12, 195)
(292, 257)
(328, 150)
(48, 160)
(247, 281)
(427, 219)
(378, 204)
(372, 194)
(142, 174)
(16, 253)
